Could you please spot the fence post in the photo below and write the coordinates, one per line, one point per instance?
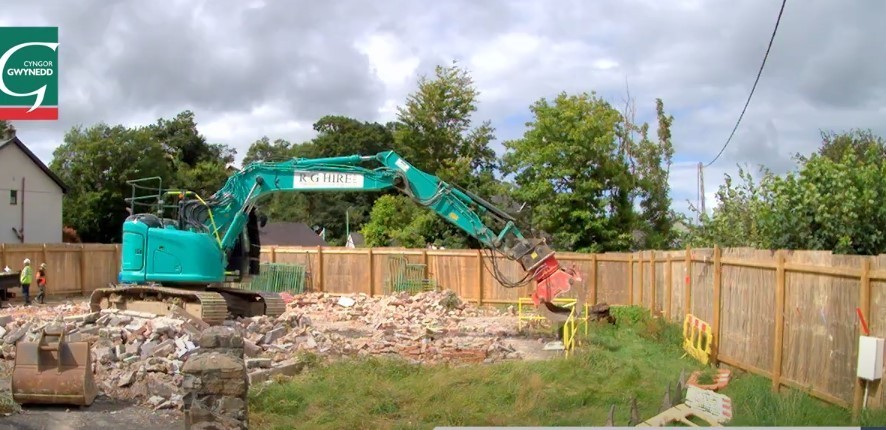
(320, 269)
(274, 254)
(3, 261)
(593, 279)
(371, 274)
(118, 261)
(631, 279)
(668, 279)
(480, 272)
(718, 281)
(83, 268)
(653, 283)
(864, 303)
(687, 288)
(642, 278)
(778, 344)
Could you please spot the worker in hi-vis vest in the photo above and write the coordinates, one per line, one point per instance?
(26, 277)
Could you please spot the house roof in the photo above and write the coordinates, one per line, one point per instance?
(289, 234)
(357, 238)
(15, 141)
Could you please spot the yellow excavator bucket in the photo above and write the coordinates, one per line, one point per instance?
(53, 371)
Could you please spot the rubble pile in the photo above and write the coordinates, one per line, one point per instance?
(427, 327)
(401, 308)
(19, 321)
(140, 356)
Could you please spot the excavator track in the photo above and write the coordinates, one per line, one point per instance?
(213, 305)
(274, 305)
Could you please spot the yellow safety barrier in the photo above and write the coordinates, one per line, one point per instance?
(569, 330)
(697, 338)
(526, 312)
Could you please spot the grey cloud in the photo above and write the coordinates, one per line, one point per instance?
(757, 145)
(125, 61)
(290, 54)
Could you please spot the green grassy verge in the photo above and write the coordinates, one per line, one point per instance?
(756, 405)
(639, 357)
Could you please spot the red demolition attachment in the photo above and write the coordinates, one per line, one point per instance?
(553, 280)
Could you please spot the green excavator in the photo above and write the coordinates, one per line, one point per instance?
(186, 261)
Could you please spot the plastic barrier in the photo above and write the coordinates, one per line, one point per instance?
(571, 328)
(697, 338)
(526, 314)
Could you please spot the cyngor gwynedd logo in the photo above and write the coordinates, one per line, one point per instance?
(29, 79)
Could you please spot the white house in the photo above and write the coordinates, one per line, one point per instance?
(30, 195)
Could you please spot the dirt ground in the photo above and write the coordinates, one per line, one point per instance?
(103, 414)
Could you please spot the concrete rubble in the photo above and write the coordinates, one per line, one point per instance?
(140, 356)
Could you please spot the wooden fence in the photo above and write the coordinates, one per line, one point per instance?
(71, 269)
(788, 315)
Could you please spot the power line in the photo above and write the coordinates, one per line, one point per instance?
(760, 72)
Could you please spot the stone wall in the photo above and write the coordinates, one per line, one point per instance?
(216, 382)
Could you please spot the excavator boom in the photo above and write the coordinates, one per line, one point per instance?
(219, 235)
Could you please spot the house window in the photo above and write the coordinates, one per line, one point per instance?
(13, 197)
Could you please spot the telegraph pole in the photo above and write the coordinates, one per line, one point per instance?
(701, 197)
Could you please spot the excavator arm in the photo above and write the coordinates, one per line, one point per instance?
(207, 232)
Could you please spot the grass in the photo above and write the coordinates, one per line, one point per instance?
(706, 377)
(756, 405)
(638, 357)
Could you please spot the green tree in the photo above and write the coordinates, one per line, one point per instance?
(650, 163)
(342, 136)
(569, 168)
(337, 212)
(835, 145)
(829, 205)
(654, 163)
(264, 150)
(832, 201)
(95, 163)
(435, 132)
(395, 220)
(735, 221)
(200, 166)
(435, 129)
(280, 206)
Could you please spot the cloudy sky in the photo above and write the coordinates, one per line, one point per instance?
(250, 68)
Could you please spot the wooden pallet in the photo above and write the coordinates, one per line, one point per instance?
(680, 413)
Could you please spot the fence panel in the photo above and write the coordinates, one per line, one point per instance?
(747, 322)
